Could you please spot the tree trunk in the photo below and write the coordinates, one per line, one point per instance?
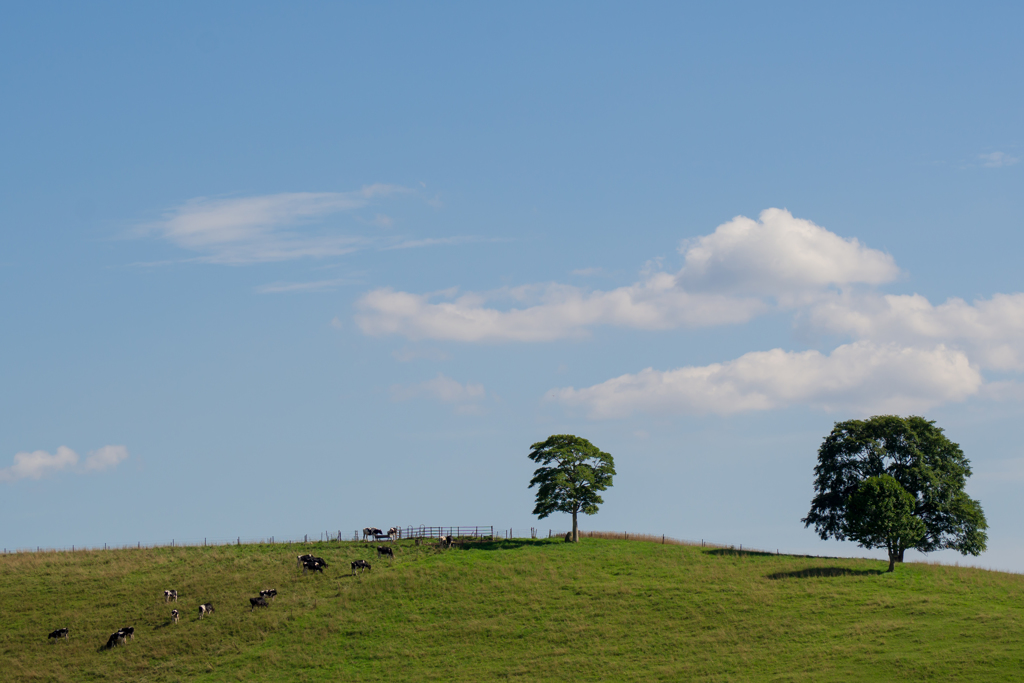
(892, 561)
(899, 556)
(575, 528)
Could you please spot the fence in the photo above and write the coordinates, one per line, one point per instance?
(408, 532)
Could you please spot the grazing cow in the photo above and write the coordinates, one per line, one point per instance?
(446, 541)
(128, 632)
(313, 565)
(205, 609)
(59, 633)
(360, 565)
(257, 602)
(268, 593)
(115, 638)
(385, 550)
(170, 596)
(174, 615)
(393, 533)
(371, 531)
(302, 559)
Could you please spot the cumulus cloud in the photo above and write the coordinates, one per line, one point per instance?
(781, 256)
(990, 330)
(728, 277)
(861, 376)
(39, 464)
(264, 228)
(465, 397)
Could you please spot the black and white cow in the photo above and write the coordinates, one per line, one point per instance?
(393, 533)
(170, 596)
(313, 565)
(59, 633)
(174, 615)
(360, 565)
(268, 593)
(446, 541)
(115, 638)
(383, 550)
(205, 609)
(128, 632)
(371, 531)
(257, 602)
(302, 559)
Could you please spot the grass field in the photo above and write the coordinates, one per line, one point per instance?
(530, 610)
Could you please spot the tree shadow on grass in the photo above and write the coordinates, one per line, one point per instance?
(732, 552)
(823, 573)
(501, 544)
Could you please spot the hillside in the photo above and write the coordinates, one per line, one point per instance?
(531, 610)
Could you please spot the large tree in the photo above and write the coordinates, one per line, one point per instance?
(572, 473)
(880, 514)
(914, 452)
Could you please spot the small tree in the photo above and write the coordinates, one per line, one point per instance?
(572, 472)
(880, 514)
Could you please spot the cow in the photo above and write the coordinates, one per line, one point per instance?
(313, 565)
(393, 533)
(385, 550)
(128, 632)
(257, 602)
(115, 639)
(170, 596)
(302, 559)
(174, 615)
(205, 609)
(371, 531)
(59, 633)
(360, 565)
(268, 593)
(446, 541)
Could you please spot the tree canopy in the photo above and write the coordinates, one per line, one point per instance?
(916, 454)
(573, 471)
(880, 514)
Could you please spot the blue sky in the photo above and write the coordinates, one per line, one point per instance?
(268, 270)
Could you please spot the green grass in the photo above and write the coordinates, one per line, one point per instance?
(527, 610)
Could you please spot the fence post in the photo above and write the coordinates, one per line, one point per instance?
(663, 539)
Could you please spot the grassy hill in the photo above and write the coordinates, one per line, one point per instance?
(527, 610)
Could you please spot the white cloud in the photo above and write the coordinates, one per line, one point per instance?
(39, 464)
(105, 458)
(997, 159)
(780, 255)
(465, 397)
(990, 330)
(862, 376)
(263, 228)
(561, 311)
(727, 278)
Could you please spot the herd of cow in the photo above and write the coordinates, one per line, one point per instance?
(309, 563)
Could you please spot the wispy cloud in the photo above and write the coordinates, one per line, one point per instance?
(267, 227)
(440, 241)
(465, 398)
(316, 286)
(997, 159)
(40, 464)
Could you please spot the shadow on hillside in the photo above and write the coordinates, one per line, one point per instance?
(501, 544)
(824, 573)
(732, 552)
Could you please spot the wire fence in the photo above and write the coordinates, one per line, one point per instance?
(473, 533)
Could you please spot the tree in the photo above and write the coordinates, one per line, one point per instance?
(572, 472)
(928, 466)
(880, 514)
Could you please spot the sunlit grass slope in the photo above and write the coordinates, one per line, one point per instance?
(531, 610)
